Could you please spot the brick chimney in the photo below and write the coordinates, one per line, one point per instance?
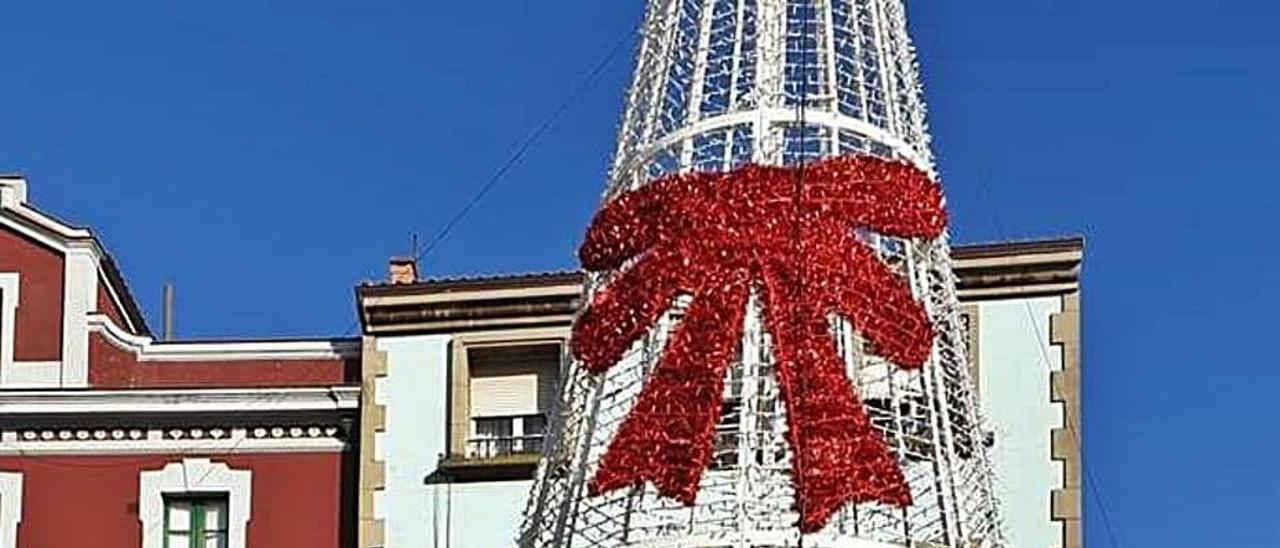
(402, 270)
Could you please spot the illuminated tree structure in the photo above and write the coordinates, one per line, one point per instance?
(770, 350)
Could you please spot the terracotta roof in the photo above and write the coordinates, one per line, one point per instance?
(476, 282)
(126, 297)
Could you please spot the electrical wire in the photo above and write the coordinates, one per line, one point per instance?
(525, 146)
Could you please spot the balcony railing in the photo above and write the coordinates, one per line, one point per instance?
(489, 448)
(494, 437)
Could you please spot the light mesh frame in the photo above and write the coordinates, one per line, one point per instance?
(719, 83)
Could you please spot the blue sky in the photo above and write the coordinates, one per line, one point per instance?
(265, 158)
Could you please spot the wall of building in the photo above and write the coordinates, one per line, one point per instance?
(478, 514)
(440, 514)
(1014, 342)
(93, 500)
(414, 394)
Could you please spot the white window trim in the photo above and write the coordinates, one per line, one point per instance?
(194, 476)
(10, 508)
(8, 318)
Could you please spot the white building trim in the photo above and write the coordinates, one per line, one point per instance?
(221, 400)
(79, 298)
(207, 440)
(13, 190)
(13, 196)
(194, 476)
(10, 508)
(146, 349)
(81, 256)
(50, 239)
(9, 296)
(13, 373)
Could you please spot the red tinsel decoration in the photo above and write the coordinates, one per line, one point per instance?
(789, 234)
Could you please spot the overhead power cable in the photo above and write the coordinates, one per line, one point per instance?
(525, 146)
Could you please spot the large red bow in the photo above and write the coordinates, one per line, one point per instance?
(789, 233)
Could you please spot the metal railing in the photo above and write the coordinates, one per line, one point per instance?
(494, 437)
(493, 447)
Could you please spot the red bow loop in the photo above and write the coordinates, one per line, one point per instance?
(718, 237)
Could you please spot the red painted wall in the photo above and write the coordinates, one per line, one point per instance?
(93, 501)
(111, 367)
(38, 335)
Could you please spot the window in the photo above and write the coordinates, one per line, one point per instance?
(10, 508)
(195, 521)
(196, 502)
(512, 391)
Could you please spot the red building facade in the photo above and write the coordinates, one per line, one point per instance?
(111, 438)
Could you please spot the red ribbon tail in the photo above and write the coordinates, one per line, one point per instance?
(838, 457)
(667, 438)
(847, 462)
(656, 444)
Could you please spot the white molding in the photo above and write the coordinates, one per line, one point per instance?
(83, 258)
(79, 298)
(60, 402)
(169, 447)
(33, 375)
(1016, 291)
(10, 508)
(13, 191)
(209, 440)
(63, 238)
(13, 373)
(9, 298)
(13, 197)
(58, 238)
(1019, 259)
(147, 349)
(194, 476)
(40, 237)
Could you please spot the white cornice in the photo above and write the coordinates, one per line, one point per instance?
(101, 442)
(13, 191)
(146, 349)
(13, 197)
(63, 402)
(1020, 260)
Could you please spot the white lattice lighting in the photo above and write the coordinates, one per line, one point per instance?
(720, 83)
